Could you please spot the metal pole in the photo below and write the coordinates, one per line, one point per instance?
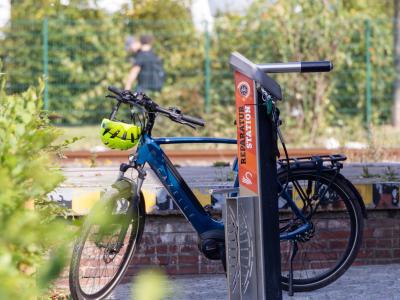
(297, 67)
(396, 49)
(207, 73)
(368, 93)
(45, 33)
(257, 175)
(268, 202)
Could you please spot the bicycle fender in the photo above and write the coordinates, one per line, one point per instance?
(122, 188)
(356, 194)
(339, 176)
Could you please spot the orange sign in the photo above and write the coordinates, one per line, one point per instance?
(246, 134)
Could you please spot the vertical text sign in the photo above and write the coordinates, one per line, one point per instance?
(246, 134)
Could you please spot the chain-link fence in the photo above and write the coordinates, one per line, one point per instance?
(79, 59)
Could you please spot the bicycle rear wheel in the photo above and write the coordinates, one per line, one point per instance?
(327, 250)
(107, 242)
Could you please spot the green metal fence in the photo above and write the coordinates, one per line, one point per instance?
(78, 59)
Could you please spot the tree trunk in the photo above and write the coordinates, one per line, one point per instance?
(396, 90)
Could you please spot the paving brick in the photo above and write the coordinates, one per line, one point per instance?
(373, 282)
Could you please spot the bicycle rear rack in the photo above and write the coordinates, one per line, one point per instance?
(311, 162)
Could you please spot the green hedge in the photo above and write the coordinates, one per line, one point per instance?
(32, 242)
(86, 53)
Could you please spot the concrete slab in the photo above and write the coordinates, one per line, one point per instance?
(85, 183)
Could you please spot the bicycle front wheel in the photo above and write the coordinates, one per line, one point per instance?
(107, 242)
(328, 249)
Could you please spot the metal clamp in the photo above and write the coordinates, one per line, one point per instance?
(224, 191)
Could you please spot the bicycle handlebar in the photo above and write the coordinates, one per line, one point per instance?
(194, 120)
(141, 99)
(297, 67)
(316, 66)
(115, 90)
(175, 115)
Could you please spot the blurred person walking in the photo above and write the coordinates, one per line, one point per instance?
(147, 68)
(132, 47)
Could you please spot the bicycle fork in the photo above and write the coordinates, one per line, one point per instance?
(135, 197)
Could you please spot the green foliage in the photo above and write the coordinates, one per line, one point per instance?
(86, 53)
(78, 50)
(390, 174)
(307, 30)
(221, 164)
(180, 47)
(151, 285)
(31, 241)
(367, 174)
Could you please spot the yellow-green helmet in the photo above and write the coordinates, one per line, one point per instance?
(119, 135)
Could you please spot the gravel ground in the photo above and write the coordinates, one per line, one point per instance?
(379, 282)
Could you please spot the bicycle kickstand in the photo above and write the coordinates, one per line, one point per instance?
(293, 251)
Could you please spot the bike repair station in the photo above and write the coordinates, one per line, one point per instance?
(252, 217)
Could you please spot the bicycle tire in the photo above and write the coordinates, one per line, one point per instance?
(346, 194)
(77, 293)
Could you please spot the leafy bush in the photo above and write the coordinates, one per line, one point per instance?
(296, 30)
(86, 53)
(32, 250)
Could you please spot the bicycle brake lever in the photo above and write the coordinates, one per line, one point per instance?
(179, 120)
(117, 98)
(188, 124)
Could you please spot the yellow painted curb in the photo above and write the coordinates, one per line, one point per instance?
(83, 200)
(365, 191)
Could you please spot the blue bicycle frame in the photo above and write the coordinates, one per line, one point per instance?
(149, 151)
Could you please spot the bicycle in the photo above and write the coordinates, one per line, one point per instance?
(309, 188)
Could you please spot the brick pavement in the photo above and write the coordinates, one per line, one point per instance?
(373, 282)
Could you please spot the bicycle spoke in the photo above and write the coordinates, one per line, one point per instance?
(300, 191)
(99, 250)
(315, 257)
(309, 188)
